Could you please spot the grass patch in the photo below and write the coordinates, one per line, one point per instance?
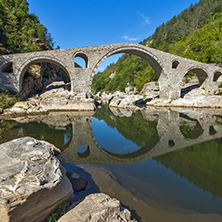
(8, 99)
(61, 210)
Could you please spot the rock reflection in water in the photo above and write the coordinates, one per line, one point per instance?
(39, 128)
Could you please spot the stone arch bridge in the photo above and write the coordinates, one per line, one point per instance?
(170, 69)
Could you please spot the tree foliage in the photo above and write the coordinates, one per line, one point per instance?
(204, 45)
(187, 22)
(21, 31)
(200, 164)
(128, 69)
(143, 132)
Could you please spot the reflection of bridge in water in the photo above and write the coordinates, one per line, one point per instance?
(168, 137)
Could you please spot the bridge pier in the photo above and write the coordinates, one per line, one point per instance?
(81, 81)
(164, 85)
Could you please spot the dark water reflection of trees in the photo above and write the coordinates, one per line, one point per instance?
(201, 164)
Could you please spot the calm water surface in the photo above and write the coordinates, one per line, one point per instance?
(169, 160)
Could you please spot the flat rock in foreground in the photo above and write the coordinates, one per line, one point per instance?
(98, 207)
(32, 181)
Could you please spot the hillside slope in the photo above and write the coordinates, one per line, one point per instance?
(195, 34)
(21, 31)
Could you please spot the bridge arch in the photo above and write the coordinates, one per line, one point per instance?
(201, 74)
(83, 56)
(175, 63)
(216, 75)
(135, 50)
(7, 67)
(84, 154)
(148, 56)
(94, 148)
(191, 132)
(129, 157)
(38, 59)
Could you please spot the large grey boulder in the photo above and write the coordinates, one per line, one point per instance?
(56, 97)
(131, 90)
(105, 98)
(98, 207)
(126, 102)
(32, 181)
(123, 100)
(116, 100)
(150, 90)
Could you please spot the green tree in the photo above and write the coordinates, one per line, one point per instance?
(20, 30)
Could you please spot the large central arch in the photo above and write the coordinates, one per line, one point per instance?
(39, 59)
(145, 54)
(135, 50)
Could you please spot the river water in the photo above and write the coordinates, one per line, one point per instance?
(163, 165)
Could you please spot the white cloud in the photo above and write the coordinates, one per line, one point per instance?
(126, 37)
(145, 18)
(140, 31)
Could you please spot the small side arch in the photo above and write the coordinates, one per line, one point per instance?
(85, 153)
(201, 74)
(190, 128)
(7, 67)
(82, 56)
(217, 75)
(39, 59)
(175, 64)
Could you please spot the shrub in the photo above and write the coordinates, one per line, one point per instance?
(8, 99)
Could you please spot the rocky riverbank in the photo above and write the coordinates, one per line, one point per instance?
(57, 97)
(192, 96)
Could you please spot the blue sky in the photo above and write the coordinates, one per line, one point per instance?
(78, 23)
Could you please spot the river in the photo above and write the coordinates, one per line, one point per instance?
(163, 165)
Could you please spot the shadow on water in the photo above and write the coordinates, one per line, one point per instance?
(91, 186)
(186, 90)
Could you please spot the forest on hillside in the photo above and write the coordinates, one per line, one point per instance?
(21, 31)
(196, 33)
